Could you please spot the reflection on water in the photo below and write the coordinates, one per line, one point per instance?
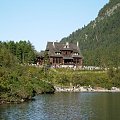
(65, 106)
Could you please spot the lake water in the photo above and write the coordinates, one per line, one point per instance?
(65, 106)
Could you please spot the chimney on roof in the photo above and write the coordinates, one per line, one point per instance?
(53, 44)
(77, 44)
(67, 44)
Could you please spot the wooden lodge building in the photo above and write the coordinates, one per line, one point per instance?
(62, 55)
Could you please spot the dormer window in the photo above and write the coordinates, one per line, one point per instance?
(76, 53)
(66, 46)
(58, 53)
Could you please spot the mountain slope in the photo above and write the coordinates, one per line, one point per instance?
(100, 39)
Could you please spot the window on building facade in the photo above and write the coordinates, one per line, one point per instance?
(53, 60)
(57, 60)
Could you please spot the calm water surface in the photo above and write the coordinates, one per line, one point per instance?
(65, 106)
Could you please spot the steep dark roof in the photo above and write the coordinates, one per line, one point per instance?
(53, 47)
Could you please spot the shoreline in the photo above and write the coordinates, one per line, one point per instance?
(85, 89)
(58, 89)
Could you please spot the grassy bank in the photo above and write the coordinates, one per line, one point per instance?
(21, 83)
(105, 79)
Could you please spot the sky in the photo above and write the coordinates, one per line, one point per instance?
(42, 21)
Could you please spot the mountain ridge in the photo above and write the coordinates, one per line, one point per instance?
(100, 40)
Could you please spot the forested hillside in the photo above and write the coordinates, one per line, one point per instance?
(99, 41)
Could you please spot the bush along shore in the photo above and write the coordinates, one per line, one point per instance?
(22, 83)
(19, 82)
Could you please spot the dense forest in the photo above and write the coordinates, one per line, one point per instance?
(22, 50)
(99, 41)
